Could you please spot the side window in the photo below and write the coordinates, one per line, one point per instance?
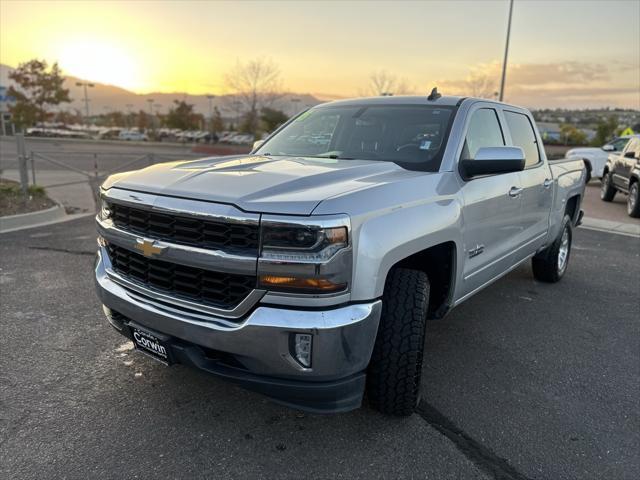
(484, 131)
(633, 146)
(619, 144)
(523, 136)
(630, 145)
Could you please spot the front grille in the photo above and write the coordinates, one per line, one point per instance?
(217, 289)
(184, 230)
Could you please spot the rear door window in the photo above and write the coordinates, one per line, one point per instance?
(523, 136)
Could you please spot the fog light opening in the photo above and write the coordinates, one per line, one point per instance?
(302, 347)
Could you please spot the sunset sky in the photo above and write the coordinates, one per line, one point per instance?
(563, 53)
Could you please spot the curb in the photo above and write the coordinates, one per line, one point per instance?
(23, 220)
(619, 228)
(50, 216)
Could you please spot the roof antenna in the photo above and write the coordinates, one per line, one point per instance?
(434, 94)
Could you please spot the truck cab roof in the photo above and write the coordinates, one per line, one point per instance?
(397, 100)
(445, 101)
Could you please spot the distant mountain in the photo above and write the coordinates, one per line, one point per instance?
(104, 98)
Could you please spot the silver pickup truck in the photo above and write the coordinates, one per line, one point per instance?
(307, 269)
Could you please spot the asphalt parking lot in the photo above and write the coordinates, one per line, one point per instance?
(523, 381)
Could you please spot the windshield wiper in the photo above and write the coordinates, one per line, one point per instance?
(334, 156)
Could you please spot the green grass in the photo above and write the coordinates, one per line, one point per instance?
(13, 202)
(13, 189)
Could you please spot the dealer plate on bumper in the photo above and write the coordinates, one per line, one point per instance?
(156, 346)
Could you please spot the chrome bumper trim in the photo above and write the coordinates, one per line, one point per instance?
(343, 338)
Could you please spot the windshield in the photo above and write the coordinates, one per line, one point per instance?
(413, 136)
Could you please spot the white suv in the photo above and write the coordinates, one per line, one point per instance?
(595, 158)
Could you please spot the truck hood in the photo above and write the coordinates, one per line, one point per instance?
(283, 185)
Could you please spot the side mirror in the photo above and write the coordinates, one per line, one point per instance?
(494, 160)
(608, 148)
(630, 154)
(257, 144)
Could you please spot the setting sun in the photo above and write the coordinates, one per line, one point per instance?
(190, 46)
(103, 61)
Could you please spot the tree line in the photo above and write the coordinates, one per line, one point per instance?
(254, 85)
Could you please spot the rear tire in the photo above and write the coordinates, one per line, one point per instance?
(633, 202)
(551, 264)
(393, 380)
(587, 166)
(607, 190)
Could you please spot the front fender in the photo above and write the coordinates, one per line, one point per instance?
(387, 239)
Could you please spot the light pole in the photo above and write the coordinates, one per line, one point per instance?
(129, 107)
(506, 53)
(150, 102)
(86, 97)
(295, 102)
(210, 98)
(237, 104)
(157, 106)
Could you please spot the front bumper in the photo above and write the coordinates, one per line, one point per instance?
(260, 344)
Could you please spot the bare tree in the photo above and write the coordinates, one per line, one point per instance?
(481, 85)
(255, 85)
(382, 82)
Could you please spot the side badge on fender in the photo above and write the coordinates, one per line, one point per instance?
(475, 251)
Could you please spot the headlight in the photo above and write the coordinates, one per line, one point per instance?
(305, 255)
(302, 243)
(105, 209)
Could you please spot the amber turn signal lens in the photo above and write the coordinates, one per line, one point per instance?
(321, 285)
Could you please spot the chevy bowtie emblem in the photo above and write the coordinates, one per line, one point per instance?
(148, 247)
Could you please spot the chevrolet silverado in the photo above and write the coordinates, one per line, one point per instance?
(307, 269)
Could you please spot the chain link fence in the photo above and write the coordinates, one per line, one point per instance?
(83, 167)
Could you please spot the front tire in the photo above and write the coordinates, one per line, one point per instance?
(633, 202)
(607, 190)
(551, 264)
(393, 380)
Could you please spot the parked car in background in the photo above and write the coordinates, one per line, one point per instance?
(55, 133)
(307, 269)
(132, 135)
(622, 174)
(109, 134)
(241, 139)
(595, 158)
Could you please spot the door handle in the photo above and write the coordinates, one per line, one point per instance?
(547, 182)
(515, 192)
